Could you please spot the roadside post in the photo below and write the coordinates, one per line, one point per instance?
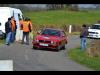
(70, 28)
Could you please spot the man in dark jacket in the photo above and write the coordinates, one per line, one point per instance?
(8, 31)
(83, 36)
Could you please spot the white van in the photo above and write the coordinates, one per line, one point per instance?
(5, 13)
(94, 31)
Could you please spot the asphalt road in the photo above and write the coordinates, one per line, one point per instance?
(27, 59)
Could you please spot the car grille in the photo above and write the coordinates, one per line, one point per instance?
(92, 32)
(44, 41)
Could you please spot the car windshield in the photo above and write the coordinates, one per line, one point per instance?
(95, 27)
(51, 32)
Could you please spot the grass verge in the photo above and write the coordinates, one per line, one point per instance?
(82, 58)
(1, 42)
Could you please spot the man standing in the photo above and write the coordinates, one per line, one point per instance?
(21, 31)
(83, 36)
(8, 31)
(31, 27)
(14, 27)
(26, 27)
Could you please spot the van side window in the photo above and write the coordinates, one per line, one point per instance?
(22, 17)
(19, 16)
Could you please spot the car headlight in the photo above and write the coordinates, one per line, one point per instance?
(52, 42)
(37, 40)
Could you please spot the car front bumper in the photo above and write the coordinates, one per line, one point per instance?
(49, 46)
(94, 36)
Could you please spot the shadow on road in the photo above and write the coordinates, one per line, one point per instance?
(46, 49)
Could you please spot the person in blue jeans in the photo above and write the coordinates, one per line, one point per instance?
(83, 36)
(14, 27)
(8, 31)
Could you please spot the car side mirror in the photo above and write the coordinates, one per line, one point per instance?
(0, 24)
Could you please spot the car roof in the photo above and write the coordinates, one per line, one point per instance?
(54, 29)
(96, 24)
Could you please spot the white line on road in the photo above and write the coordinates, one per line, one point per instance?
(6, 65)
(26, 55)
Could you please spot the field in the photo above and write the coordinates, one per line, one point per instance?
(63, 17)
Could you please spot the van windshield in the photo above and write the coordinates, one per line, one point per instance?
(95, 27)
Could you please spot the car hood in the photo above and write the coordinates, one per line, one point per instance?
(47, 37)
(93, 30)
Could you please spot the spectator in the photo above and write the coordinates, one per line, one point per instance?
(21, 31)
(83, 36)
(8, 31)
(14, 27)
(26, 27)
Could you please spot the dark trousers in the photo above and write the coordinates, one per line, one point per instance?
(8, 36)
(25, 34)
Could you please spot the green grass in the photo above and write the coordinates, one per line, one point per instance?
(1, 42)
(61, 17)
(82, 58)
(73, 33)
(58, 18)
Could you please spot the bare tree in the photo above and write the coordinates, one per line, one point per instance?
(73, 7)
(56, 6)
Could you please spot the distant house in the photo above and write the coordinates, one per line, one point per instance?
(45, 6)
(87, 6)
(30, 6)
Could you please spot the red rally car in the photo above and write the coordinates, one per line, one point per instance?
(50, 38)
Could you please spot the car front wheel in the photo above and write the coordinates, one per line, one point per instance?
(64, 47)
(58, 48)
(34, 47)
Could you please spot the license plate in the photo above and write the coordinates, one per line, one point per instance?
(42, 44)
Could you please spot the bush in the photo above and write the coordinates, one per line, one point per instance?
(81, 57)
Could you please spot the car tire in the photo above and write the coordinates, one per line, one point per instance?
(58, 48)
(64, 47)
(35, 48)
